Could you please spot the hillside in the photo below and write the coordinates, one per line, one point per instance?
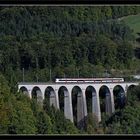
(133, 21)
(31, 38)
(44, 43)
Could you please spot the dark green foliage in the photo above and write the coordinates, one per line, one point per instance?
(22, 119)
(77, 38)
(44, 124)
(92, 125)
(64, 126)
(16, 114)
(5, 103)
(60, 125)
(68, 42)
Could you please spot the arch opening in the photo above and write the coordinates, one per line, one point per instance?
(91, 100)
(119, 97)
(88, 93)
(24, 90)
(37, 95)
(62, 94)
(131, 93)
(78, 107)
(105, 101)
(131, 88)
(49, 97)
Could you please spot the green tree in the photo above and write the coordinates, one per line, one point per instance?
(44, 124)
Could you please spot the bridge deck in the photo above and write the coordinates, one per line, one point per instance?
(53, 83)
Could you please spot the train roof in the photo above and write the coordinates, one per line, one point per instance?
(87, 78)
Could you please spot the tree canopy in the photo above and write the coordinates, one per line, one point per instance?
(64, 42)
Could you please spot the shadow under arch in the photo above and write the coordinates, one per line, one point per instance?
(50, 97)
(105, 100)
(91, 100)
(130, 93)
(131, 88)
(62, 95)
(119, 97)
(78, 107)
(65, 103)
(24, 90)
(92, 105)
(37, 95)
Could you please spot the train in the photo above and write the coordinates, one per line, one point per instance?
(89, 80)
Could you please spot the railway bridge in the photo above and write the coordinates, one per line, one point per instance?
(52, 91)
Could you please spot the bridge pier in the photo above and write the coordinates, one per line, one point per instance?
(84, 102)
(39, 97)
(80, 111)
(125, 90)
(108, 108)
(95, 107)
(57, 99)
(112, 100)
(29, 93)
(53, 101)
(98, 109)
(68, 106)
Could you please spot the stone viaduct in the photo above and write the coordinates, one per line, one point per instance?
(41, 89)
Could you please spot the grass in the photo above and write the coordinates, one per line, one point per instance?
(133, 21)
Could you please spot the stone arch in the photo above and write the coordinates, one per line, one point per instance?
(65, 103)
(131, 87)
(50, 97)
(37, 94)
(62, 94)
(91, 100)
(130, 91)
(105, 100)
(119, 97)
(78, 107)
(24, 90)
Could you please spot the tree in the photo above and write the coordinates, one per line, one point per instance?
(4, 105)
(22, 120)
(44, 124)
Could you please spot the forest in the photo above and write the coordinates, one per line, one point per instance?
(68, 42)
